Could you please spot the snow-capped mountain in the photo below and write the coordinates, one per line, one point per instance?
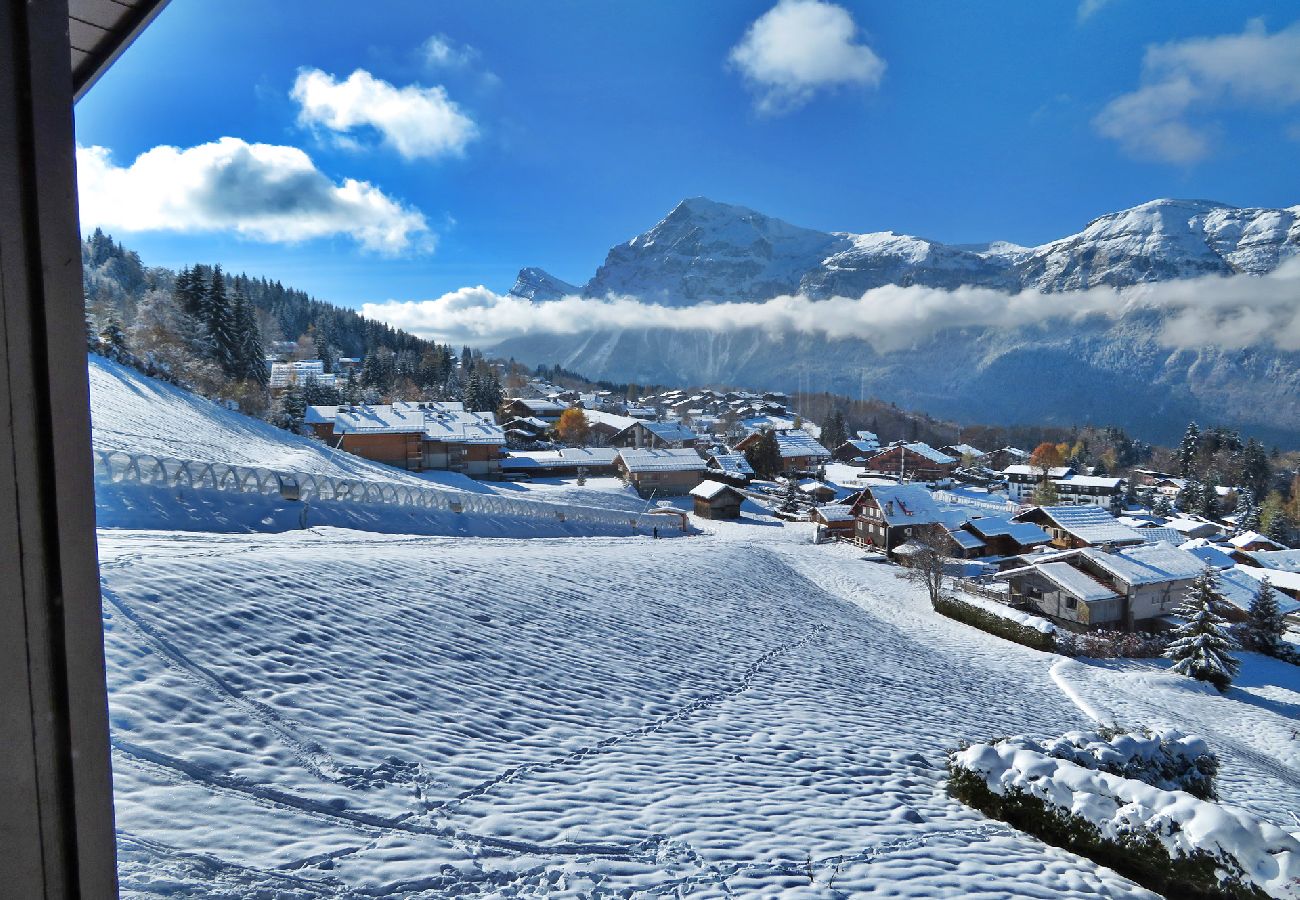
(538, 284)
(1112, 372)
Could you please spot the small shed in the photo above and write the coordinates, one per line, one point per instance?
(715, 500)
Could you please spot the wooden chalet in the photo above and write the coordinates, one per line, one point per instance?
(730, 467)
(837, 519)
(420, 436)
(889, 515)
(716, 500)
(962, 452)
(661, 472)
(1023, 479)
(1006, 456)
(912, 461)
(1004, 537)
(1072, 527)
(799, 450)
(524, 408)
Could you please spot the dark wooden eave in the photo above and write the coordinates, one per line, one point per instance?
(99, 30)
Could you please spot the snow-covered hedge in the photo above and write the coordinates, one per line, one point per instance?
(1032, 631)
(1169, 841)
(1112, 645)
(1163, 757)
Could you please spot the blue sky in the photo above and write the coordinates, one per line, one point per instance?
(543, 133)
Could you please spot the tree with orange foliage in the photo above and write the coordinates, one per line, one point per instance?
(1046, 456)
(573, 427)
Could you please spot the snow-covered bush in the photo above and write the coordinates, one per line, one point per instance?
(1004, 622)
(1112, 645)
(1165, 758)
(1168, 841)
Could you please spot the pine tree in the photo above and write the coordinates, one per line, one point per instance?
(1162, 506)
(834, 432)
(219, 317)
(251, 356)
(1247, 512)
(764, 455)
(1266, 623)
(1279, 528)
(790, 496)
(1187, 450)
(1045, 494)
(1189, 498)
(1202, 648)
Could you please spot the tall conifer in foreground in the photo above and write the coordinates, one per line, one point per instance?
(1202, 647)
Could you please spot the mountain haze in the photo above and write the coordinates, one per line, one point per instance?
(1099, 370)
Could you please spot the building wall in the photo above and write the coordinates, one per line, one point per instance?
(400, 450)
(724, 506)
(665, 484)
(913, 465)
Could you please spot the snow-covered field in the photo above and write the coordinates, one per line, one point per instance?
(335, 713)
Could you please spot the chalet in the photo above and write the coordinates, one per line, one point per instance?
(837, 519)
(857, 451)
(912, 461)
(1003, 537)
(566, 462)
(1080, 526)
(1168, 486)
(730, 467)
(419, 436)
(604, 427)
(817, 491)
(320, 419)
(1191, 528)
(1083, 589)
(1090, 489)
(525, 429)
(889, 515)
(661, 472)
(998, 460)
(1253, 541)
(964, 452)
(799, 451)
(715, 500)
(654, 434)
(525, 408)
(1286, 586)
(1023, 479)
(962, 544)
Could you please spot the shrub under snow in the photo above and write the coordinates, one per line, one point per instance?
(1167, 840)
(1163, 757)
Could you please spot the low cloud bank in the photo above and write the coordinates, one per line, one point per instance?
(1233, 312)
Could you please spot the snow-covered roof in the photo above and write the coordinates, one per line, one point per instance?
(540, 407)
(1192, 527)
(596, 456)
(669, 432)
(1148, 563)
(813, 486)
(613, 420)
(1088, 481)
(1091, 524)
(1024, 469)
(663, 460)
(1281, 560)
(707, 490)
(1246, 538)
(1160, 533)
(1208, 553)
(1287, 581)
(835, 512)
(920, 448)
(869, 436)
(1075, 582)
(435, 421)
(1001, 526)
(1014, 451)
(905, 504)
(732, 464)
(965, 539)
(797, 442)
(864, 446)
(964, 450)
(320, 415)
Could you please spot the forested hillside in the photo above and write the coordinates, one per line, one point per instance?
(210, 331)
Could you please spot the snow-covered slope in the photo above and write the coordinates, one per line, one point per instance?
(131, 411)
(335, 714)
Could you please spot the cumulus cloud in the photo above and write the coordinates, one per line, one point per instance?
(262, 191)
(1231, 312)
(1182, 82)
(799, 47)
(418, 122)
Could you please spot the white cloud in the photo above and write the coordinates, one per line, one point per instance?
(1089, 8)
(1232, 312)
(1188, 79)
(441, 51)
(261, 191)
(417, 122)
(800, 46)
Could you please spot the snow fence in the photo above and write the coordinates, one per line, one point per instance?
(1167, 840)
(118, 466)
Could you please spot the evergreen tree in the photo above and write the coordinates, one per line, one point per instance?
(251, 356)
(834, 432)
(112, 341)
(764, 455)
(790, 496)
(1279, 528)
(1247, 511)
(1202, 648)
(1255, 468)
(1162, 506)
(220, 319)
(1266, 624)
(1189, 498)
(466, 360)
(1188, 449)
(1208, 505)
